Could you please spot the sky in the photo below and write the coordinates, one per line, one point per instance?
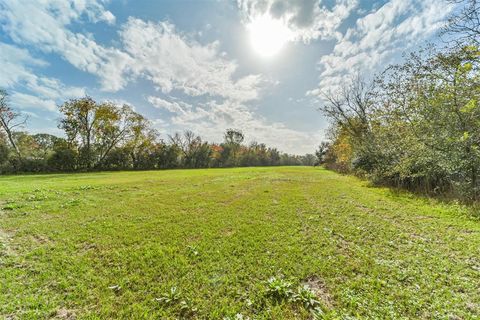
(257, 66)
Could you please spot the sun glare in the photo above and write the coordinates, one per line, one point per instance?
(267, 35)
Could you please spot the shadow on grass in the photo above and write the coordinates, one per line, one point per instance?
(468, 208)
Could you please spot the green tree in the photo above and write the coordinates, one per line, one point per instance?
(232, 141)
(95, 129)
(63, 157)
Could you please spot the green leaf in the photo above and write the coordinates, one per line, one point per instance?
(469, 107)
(467, 67)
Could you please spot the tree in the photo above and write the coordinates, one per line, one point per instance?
(142, 144)
(437, 97)
(97, 128)
(309, 159)
(418, 128)
(167, 155)
(63, 157)
(44, 143)
(9, 120)
(195, 153)
(4, 150)
(118, 159)
(321, 152)
(232, 141)
(351, 106)
(78, 122)
(117, 125)
(233, 136)
(108, 136)
(352, 111)
(465, 24)
(273, 157)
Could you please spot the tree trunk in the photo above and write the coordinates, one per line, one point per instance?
(10, 138)
(474, 182)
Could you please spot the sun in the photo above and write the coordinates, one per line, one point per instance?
(267, 35)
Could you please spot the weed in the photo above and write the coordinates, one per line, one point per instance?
(184, 306)
(279, 289)
(71, 203)
(192, 251)
(171, 297)
(307, 298)
(37, 197)
(10, 206)
(237, 316)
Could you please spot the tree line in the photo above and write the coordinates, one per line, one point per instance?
(105, 136)
(417, 124)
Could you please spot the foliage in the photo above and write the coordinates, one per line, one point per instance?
(104, 136)
(417, 127)
(62, 157)
(95, 129)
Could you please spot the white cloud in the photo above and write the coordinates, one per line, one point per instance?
(174, 62)
(108, 17)
(28, 101)
(379, 37)
(307, 19)
(171, 106)
(154, 51)
(53, 89)
(15, 63)
(43, 24)
(43, 92)
(36, 92)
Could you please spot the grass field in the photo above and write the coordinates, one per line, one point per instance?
(233, 243)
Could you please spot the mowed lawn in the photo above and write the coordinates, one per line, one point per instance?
(113, 245)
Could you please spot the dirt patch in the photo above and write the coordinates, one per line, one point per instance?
(228, 232)
(420, 238)
(88, 246)
(5, 243)
(65, 314)
(40, 239)
(318, 286)
(235, 197)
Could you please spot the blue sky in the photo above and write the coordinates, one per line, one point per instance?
(259, 66)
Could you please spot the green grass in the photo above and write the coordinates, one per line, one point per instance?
(114, 245)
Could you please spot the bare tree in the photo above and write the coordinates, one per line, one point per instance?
(178, 141)
(10, 119)
(465, 23)
(350, 107)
